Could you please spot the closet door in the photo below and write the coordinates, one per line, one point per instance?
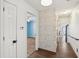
(10, 30)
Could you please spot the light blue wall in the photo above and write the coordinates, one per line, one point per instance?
(30, 32)
(30, 27)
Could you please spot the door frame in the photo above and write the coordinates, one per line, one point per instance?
(37, 36)
(66, 33)
(2, 27)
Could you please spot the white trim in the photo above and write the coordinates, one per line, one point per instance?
(37, 29)
(1, 27)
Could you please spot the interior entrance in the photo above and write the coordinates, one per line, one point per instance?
(31, 34)
(9, 30)
(66, 33)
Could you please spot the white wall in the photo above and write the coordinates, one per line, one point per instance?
(47, 30)
(22, 8)
(74, 29)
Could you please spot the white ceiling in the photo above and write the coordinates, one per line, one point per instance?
(59, 4)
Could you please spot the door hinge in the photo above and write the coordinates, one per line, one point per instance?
(3, 38)
(3, 8)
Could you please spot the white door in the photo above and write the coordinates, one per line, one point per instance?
(9, 30)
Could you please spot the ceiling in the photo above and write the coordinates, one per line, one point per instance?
(58, 4)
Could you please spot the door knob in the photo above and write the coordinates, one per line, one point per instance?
(14, 41)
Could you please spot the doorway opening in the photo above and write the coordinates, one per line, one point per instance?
(65, 33)
(31, 34)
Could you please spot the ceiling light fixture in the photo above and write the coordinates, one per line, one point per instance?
(46, 2)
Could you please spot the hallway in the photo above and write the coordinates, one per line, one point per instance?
(39, 29)
(64, 50)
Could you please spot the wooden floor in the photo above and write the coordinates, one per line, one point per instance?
(64, 50)
(30, 45)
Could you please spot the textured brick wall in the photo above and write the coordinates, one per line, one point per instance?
(48, 30)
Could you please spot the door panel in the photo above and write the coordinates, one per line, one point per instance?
(9, 30)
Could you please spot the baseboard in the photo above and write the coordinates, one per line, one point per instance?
(47, 51)
(31, 37)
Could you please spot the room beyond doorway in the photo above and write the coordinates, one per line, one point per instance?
(31, 34)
